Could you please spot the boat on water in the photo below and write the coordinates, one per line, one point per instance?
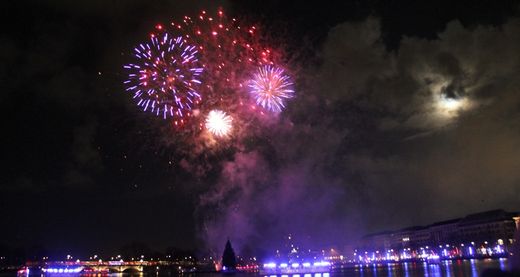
(433, 259)
(305, 269)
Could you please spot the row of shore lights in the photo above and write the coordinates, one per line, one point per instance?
(296, 265)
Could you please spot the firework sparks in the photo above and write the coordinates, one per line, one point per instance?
(230, 51)
(166, 76)
(218, 123)
(203, 68)
(270, 88)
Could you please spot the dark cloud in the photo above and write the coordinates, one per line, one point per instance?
(458, 94)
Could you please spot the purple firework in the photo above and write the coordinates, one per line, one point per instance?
(165, 76)
(271, 87)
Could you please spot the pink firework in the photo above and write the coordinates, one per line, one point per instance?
(230, 52)
(215, 73)
(271, 88)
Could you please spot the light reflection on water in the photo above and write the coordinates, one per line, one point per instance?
(445, 268)
(503, 263)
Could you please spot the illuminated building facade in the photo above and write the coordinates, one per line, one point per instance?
(486, 234)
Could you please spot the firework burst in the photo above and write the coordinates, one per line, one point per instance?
(230, 51)
(218, 123)
(210, 73)
(165, 77)
(270, 88)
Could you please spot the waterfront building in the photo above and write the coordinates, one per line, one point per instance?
(489, 233)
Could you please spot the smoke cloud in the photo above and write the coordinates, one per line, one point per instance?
(379, 139)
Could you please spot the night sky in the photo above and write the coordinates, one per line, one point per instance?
(405, 113)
